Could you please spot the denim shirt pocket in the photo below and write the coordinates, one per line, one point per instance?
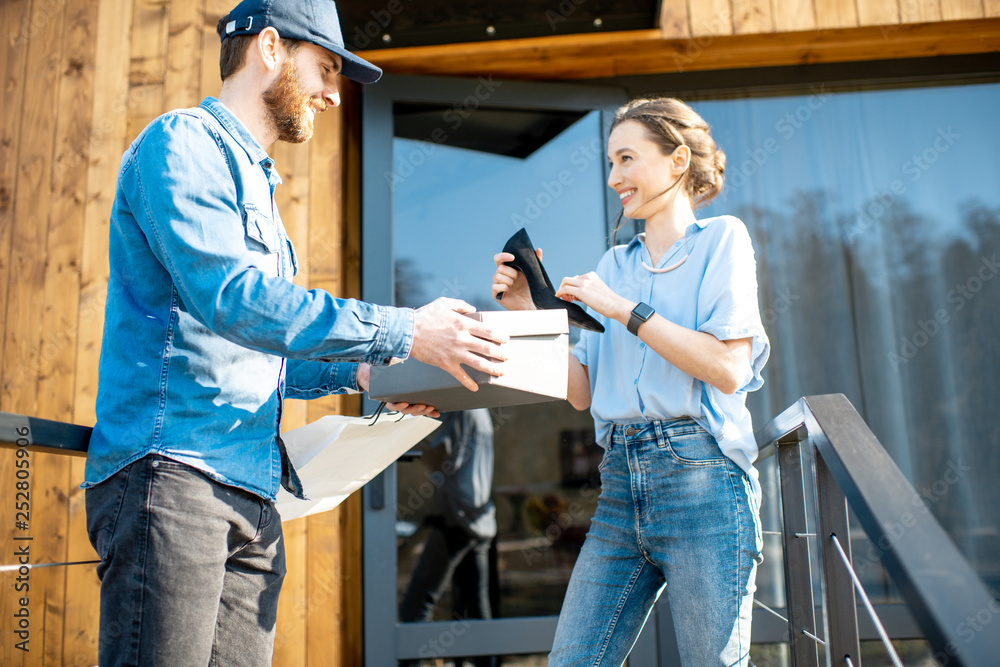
(262, 238)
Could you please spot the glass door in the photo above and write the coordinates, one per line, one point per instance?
(501, 499)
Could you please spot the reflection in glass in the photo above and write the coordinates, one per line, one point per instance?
(453, 209)
(875, 216)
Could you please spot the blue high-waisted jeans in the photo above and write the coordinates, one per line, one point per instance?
(673, 510)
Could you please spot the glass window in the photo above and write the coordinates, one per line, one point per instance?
(875, 216)
(455, 204)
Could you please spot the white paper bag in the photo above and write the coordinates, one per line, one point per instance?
(337, 455)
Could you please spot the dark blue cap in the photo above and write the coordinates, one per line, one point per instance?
(313, 21)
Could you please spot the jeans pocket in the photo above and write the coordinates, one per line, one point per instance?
(104, 504)
(604, 459)
(695, 447)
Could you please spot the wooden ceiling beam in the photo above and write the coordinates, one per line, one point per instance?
(650, 52)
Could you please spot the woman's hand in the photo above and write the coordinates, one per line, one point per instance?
(592, 291)
(511, 283)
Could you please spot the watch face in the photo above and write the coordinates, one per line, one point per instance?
(643, 311)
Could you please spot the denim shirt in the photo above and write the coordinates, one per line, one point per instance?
(713, 291)
(204, 331)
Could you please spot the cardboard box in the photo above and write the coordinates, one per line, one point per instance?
(536, 371)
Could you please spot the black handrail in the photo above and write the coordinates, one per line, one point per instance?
(942, 591)
(43, 434)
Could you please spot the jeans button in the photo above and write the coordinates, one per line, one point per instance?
(630, 431)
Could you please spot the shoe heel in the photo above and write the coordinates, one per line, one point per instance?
(543, 294)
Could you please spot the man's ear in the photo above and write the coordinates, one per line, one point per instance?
(268, 49)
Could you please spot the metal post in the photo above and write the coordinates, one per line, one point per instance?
(798, 573)
(841, 606)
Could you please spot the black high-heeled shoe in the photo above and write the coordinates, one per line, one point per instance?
(542, 293)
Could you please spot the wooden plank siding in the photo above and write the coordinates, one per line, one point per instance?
(673, 20)
(13, 65)
(568, 57)
(835, 14)
(80, 81)
(23, 357)
(80, 78)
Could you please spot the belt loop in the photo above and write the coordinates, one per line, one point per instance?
(660, 438)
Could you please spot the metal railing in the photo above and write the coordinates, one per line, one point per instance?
(851, 468)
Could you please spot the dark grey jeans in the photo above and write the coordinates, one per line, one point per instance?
(190, 568)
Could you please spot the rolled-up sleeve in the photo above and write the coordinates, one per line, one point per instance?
(314, 379)
(728, 296)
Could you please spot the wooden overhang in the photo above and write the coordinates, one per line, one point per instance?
(595, 56)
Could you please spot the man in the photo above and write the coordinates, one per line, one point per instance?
(205, 333)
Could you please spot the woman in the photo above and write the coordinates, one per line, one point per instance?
(666, 384)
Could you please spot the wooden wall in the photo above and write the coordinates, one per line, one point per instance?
(80, 79)
(693, 18)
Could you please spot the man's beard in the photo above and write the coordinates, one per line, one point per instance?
(287, 106)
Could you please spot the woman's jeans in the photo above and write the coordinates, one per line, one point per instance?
(190, 568)
(673, 510)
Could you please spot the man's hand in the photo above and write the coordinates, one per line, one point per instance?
(417, 410)
(444, 338)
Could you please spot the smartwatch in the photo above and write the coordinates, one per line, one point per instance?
(641, 313)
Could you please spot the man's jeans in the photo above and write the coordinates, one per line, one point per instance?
(190, 568)
(674, 510)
